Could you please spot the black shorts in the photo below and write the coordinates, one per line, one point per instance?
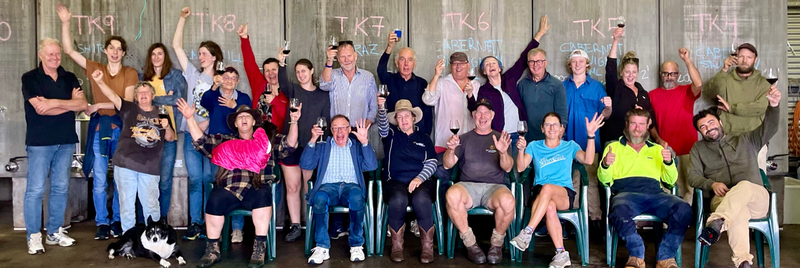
(293, 159)
(221, 201)
(538, 188)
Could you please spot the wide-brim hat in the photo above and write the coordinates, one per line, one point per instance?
(405, 105)
(244, 109)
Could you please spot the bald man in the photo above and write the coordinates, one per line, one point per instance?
(404, 84)
(673, 105)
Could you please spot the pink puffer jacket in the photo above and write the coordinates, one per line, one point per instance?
(251, 155)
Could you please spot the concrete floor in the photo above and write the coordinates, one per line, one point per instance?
(90, 253)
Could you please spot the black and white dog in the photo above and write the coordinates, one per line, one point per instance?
(156, 241)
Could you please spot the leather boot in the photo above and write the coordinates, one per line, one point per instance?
(212, 255)
(397, 243)
(634, 262)
(426, 236)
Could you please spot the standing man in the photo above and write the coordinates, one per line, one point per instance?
(585, 98)
(725, 166)
(353, 91)
(104, 129)
(405, 84)
(52, 96)
(741, 94)
(541, 93)
(673, 105)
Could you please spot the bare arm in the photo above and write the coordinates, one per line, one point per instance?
(129, 93)
(113, 97)
(543, 27)
(45, 106)
(694, 74)
(326, 72)
(66, 40)
(177, 39)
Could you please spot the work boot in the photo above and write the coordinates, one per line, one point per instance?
(426, 237)
(634, 262)
(259, 250)
(212, 255)
(397, 243)
(475, 254)
(495, 254)
(711, 232)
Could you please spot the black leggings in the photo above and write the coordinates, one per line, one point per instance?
(396, 197)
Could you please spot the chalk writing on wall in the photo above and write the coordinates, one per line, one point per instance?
(216, 22)
(5, 31)
(360, 22)
(95, 23)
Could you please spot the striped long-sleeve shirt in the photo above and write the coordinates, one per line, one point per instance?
(407, 156)
(356, 99)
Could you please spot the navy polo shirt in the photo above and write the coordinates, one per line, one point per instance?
(406, 154)
(46, 130)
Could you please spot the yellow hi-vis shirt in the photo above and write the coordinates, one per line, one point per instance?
(647, 163)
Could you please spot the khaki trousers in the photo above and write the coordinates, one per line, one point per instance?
(743, 202)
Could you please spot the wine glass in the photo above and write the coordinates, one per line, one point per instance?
(267, 89)
(286, 48)
(621, 22)
(734, 51)
(454, 126)
(220, 67)
(522, 128)
(382, 91)
(772, 76)
(334, 45)
(294, 103)
(472, 74)
(162, 114)
(322, 123)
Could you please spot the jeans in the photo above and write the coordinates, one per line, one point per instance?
(56, 160)
(338, 194)
(165, 184)
(130, 185)
(100, 182)
(201, 175)
(672, 209)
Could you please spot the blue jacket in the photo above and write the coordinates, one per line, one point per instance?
(106, 149)
(318, 156)
(175, 82)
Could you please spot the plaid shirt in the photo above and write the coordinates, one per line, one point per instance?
(238, 180)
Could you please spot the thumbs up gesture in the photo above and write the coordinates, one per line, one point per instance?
(610, 157)
(666, 154)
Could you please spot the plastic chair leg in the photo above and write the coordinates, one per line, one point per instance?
(225, 237)
(309, 231)
(759, 248)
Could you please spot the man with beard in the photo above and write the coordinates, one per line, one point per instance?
(673, 105)
(636, 181)
(741, 95)
(725, 165)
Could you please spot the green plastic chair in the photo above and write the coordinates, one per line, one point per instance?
(367, 222)
(612, 237)
(225, 237)
(383, 220)
(767, 227)
(579, 217)
(452, 233)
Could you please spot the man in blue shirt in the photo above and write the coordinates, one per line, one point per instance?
(585, 97)
(404, 84)
(340, 163)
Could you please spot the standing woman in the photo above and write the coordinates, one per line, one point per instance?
(317, 104)
(410, 161)
(170, 86)
(201, 171)
(626, 94)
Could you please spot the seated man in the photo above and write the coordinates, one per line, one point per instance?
(245, 174)
(636, 183)
(726, 165)
(340, 162)
(485, 159)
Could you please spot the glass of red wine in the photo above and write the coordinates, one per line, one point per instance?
(621, 22)
(454, 126)
(334, 45)
(322, 123)
(286, 48)
(522, 128)
(382, 91)
(734, 52)
(220, 68)
(162, 114)
(471, 75)
(772, 77)
(294, 103)
(267, 90)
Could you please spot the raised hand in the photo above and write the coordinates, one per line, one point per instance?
(543, 26)
(316, 132)
(63, 13)
(610, 157)
(382, 101)
(217, 82)
(185, 12)
(362, 130)
(723, 105)
(242, 31)
(729, 61)
(617, 33)
(683, 53)
(595, 124)
(185, 109)
(453, 142)
(330, 53)
(666, 154)
(282, 57)
(774, 96)
(521, 143)
(502, 143)
(468, 89)
(439, 68)
(97, 76)
(294, 116)
(606, 101)
(392, 39)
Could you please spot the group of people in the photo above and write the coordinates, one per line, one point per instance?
(421, 132)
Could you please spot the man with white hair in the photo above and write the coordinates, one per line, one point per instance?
(52, 96)
(404, 84)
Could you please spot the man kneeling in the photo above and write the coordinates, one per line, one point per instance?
(726, 165)
(485, 160)
(636, 182)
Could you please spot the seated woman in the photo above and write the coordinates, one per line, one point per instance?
(236, 183)
(410, 161)
(552, 161)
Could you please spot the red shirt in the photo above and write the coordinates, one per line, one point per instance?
(257, 85)
(674, 110)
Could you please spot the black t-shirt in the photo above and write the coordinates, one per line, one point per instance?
(45, 130)
(140, 139)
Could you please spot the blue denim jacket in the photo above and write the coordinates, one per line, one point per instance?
(174, 82)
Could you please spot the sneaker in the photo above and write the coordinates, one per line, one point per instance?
(35, 244)
(339, 233)
(102, 232)
(560, 260)
(237, 236)
(522, 240)
(414, 228)
(319, 255)
(60, 238)
(116, 229)
(356, 254)
(193, 232)
(711, 232)
(294, 233)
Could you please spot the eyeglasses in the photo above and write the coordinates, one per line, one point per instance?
(551, 125)
(536, 62)
(666, 74)
(458, 63)
(337, 129)
(230, 78)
